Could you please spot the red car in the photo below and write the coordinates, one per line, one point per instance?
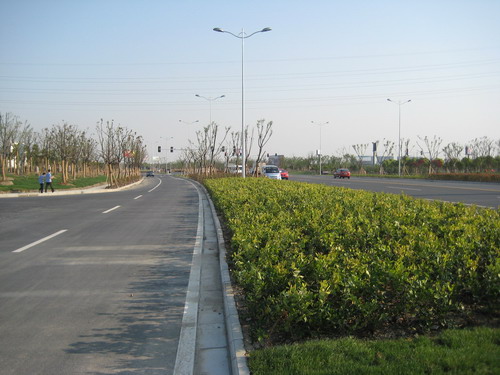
(284, 174)
(342, 173)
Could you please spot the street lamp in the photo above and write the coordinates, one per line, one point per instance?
(399, 103)
(210, 100)
(319, 151)
(189, 123)
(242, 36)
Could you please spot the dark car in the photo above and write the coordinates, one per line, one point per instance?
(284, 174)
(342, 173)
(150, 174)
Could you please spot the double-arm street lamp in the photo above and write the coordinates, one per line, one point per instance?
(210, 100)
(399, 103)
(319, 151)
(242, 36)
(189, 123)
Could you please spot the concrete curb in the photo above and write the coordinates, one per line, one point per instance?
(186, 350)
(236, 345)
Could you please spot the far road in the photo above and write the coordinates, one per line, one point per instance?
(472, 193)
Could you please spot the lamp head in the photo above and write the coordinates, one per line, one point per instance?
(218, 29)
(265, 29)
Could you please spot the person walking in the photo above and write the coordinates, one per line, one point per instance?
(41, 181)
(48, 181)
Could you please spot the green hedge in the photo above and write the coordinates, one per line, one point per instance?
(315, 260)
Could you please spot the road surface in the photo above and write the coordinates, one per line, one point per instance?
(473, 193)
(96, 283)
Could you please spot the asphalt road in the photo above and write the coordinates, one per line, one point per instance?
(474, 193)
(105, 294)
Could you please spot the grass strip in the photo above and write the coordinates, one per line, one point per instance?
(470, 351)
(30, 183)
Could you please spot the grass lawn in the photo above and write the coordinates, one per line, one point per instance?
(468, 351)
(30, 183)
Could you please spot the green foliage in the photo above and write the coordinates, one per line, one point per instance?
(316, 260)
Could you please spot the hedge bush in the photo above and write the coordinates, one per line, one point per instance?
(315, 260)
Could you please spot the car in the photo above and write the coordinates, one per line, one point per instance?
(271, 171)
(284, 174)
(342, 173)
(150, 174)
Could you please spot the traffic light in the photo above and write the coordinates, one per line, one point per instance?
(223, 149)
(234, 150)
(159, 148)
(171, 148)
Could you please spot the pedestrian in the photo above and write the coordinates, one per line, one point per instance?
(48, 181)
(41, 181)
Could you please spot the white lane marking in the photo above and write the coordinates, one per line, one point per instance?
(138, 197)
(402, 188)
(39, 241)
(111, 209)
(159, 183)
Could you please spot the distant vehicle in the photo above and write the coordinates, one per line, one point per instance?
(342, 173)
(150, 174)
(237, 169)
(284, 174)
(271, 171)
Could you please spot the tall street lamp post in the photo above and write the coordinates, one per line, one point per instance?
(210, 100)
(399, 103)
(242, 36)
(319, 151)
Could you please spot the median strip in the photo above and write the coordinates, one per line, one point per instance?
(39, 241)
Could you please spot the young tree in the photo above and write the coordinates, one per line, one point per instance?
(9, 131)
(431, 147)
(386, 150)
(360, 150)
(452, 152)
(264, 133)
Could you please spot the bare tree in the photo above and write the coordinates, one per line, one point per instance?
(64, 139)
(88, 148)
(360, 150)
(432, 147)
(482, 147)
(386, 149)
(108, 144)
(452, 152)
(264, 133)
(9, 131)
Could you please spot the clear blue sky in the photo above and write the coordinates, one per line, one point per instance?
(141, 63)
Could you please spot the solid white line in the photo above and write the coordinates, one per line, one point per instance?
(159, 183)
(39, 241)
(111, 209)
(138, 197)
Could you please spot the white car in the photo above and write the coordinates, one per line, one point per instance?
(271, 171)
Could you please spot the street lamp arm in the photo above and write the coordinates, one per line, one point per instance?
(241, 35)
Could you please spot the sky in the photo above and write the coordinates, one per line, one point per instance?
(322, 75)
